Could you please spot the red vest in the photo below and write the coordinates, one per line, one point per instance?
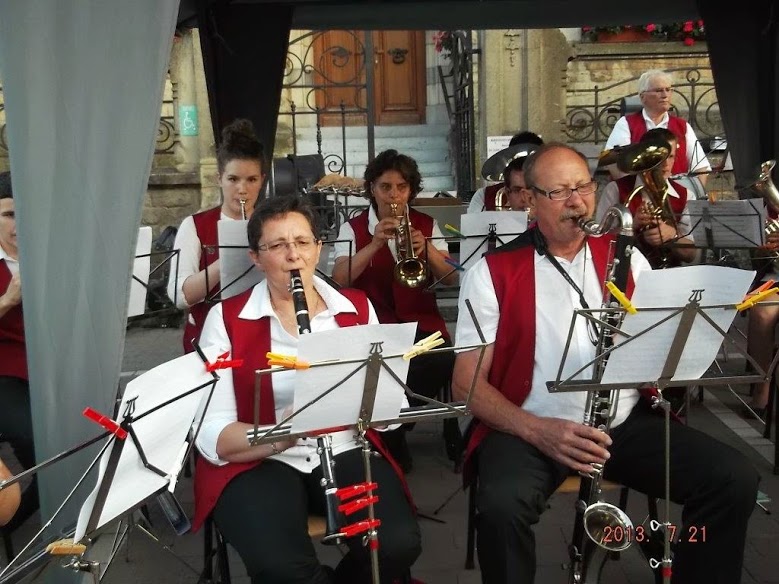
(395, 303)
(250, 341)
(13, 353)
(489, 196)
(627, 185)
(512, 269)
(205, 226)
(677, 125)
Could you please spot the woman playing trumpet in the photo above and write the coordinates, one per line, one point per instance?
(240, 176)
(261, 496)
(393, 179)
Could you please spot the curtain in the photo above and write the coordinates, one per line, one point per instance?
(83, 86)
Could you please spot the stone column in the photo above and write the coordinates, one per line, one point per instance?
(211, 195)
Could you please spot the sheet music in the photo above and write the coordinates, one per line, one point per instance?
(161, 434)
(236, 270)
(476, 226)
(342, 406)
(141, 270)
(643, 359)
(733, 224)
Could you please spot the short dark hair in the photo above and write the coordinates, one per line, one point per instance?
(532, 160)
(6, 192)
(393, 160)
(661, 133)
(517, 164)
(276, 207)
(526, 138)
(239, 142)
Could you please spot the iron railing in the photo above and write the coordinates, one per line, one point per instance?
(457, 87)
(592, 113)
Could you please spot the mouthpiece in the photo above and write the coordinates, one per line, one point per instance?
(243, 208)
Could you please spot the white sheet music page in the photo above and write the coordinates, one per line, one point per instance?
(236, 270)
(342, 406)
(476, 226)
(731, 224)
(161, 434)
(643, 359)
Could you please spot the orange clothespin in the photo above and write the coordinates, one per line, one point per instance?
(353, 490)
(287, 361)
(106, 422)
(359, 527)
(357, 504)
(223, 363)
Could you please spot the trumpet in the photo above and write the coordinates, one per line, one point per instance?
(410, 271)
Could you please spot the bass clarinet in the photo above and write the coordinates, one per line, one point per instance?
(334, 519)
(595, 518)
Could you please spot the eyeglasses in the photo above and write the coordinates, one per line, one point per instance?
(565, 194)
(302, 245)
(517, 190)
(660, 90)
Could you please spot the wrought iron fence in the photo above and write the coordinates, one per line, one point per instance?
(457, 86)
(592, 113)
(328, 78)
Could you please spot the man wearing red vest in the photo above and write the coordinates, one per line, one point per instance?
(655, 89)
(393, 178)
(527, 440)
(661, 241)
(15, 414)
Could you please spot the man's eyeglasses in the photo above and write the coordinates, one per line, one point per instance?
(517, 190)
(660, 90)
(302, 244)
(565, 194)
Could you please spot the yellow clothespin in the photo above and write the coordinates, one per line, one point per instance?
(621, 298)
(753, 299)
(424, 346)
(452, 229)
(287, 361)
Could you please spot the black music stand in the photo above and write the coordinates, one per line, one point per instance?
(365, 372)
(133, 463)
(684, 322)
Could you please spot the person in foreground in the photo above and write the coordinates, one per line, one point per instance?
(240, 175)
(10, 497)
(261, 496)
(527, 440)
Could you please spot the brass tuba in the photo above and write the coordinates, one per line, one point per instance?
(502, 200)
(765, 188)
(410, 271)
(646, 159)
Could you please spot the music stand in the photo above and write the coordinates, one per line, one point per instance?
(727, 224)
(144, 452)
(671, 340)
(358, 391)
(140, 284)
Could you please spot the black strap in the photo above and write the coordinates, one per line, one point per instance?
(539, 243)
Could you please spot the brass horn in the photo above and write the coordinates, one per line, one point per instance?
(765, 187)
(410, 271)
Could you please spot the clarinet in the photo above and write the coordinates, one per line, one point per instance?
(324, 448)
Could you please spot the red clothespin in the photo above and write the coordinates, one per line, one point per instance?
(106, 422)
(353, 490)
(357, 504)
(355, 528)
(223, 363)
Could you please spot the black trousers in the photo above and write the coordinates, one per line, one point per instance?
(16, 429)
(428, 373)
(263, 513)
(715, 483)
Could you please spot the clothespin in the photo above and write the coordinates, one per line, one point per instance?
(753, 299)
(454, 264)
(223, 363)
(621, 298)
(762, 288)
(453, 230)
(66, 547)
(359, 527)
(357, 504)
(288, 361)
(106, 422)
(353, 490)
(424, 346)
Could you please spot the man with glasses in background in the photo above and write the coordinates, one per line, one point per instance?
(655, 90)
(527, 440)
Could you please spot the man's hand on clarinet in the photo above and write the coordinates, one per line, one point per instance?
(573, 444)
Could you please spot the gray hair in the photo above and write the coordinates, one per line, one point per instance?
(647, 76)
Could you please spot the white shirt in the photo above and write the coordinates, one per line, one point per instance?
(189, 247)
(555, 301)
(476, 205)
(610, 197)
(620, 136)
(223, 411)
(345, 246)
(13, 265)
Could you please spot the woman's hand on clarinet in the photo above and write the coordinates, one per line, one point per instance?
(573, 444)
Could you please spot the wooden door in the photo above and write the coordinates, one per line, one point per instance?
(399, 77)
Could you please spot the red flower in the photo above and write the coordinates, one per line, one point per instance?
(650, 28)
(586, 28)
(700, 24)
(688, 41)
(688, 27)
